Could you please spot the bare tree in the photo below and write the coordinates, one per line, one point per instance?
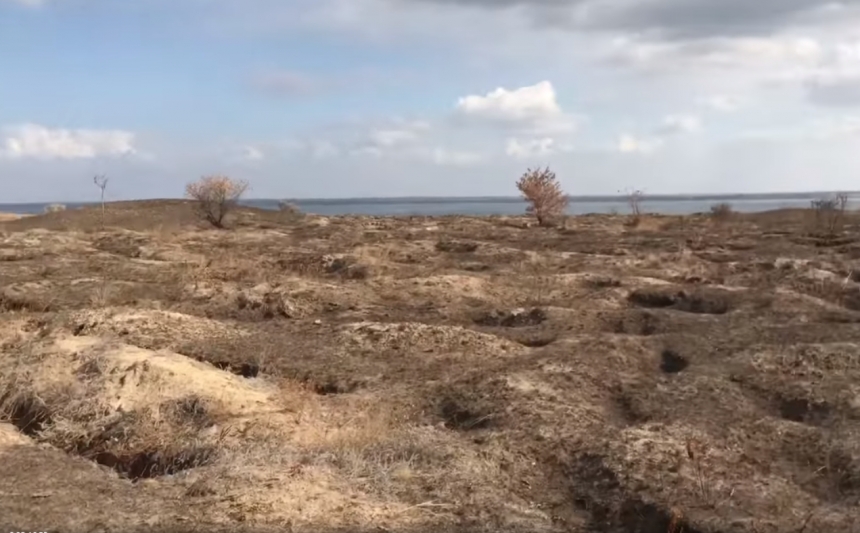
(634, 200)
(546, 199)
(101, 182)
(829, 215)
(215, 197)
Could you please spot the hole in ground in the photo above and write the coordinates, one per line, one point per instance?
(536, 341)
(823, 466)
(463, 417)
(671, 362)
(629, 409)
(459, 247)
(601, 283)
(154, 463)
(599, 491)
(699, 302)
(635, 323)
(804, 411)
(246, 370)
(30, 415)
(333, 386)
(705, 304)
(651, 298)
(27, 412)
(514, 319)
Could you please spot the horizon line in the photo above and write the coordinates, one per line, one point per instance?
(492, 199)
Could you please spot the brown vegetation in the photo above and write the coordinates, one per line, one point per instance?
(829, 214)
(542, 191)
(365, 374)
(722, 212)
(216, 196)
(634, 200)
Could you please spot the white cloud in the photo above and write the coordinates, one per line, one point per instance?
(835, 128)
(252, 153)
(315, 148)
(395, 139)
(531, 148)
(722, 103)
(457, 158)
(286, 83)
(29, 3)
(532, 108)
(720, 53)
(390, 137)
(680, 124)
(32, 141)
(630, 144)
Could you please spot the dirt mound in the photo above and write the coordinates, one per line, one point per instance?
(140, 413)
(427, 374)
(692, 484)
(810, 383)
(421, 338)
(37, 243)
(449, 287)
(152, 329)
(10, 436)
(28, 296)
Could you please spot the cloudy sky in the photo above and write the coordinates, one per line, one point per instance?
(345, 98)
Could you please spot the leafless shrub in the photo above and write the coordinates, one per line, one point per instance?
(722, 212)
(290, 210)
(54, 208)
(543, 192)
(215, 197)
(634, 200)
(829, 214)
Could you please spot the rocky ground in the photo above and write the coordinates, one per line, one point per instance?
(312, 374)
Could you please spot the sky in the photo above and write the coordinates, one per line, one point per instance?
(375, 98)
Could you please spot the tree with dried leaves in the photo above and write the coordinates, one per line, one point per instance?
(215, 197)
(543, 193)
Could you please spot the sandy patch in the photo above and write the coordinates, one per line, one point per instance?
(152, 328)
(416, 337)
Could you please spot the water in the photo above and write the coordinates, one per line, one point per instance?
(677, 205)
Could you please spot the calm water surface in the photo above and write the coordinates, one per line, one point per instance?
(510, 206)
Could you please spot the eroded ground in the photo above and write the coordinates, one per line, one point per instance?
(415, 375)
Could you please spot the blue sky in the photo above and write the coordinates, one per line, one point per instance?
(331, 98)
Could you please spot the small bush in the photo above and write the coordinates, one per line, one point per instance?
(634, 200)
(543, 192)
(722, 211)
(215, 197)
(54, 208)
(829, 214)
(290, 210)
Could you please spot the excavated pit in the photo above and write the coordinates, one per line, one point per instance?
(153, 463)
(518, 318)
(671, 362)
(27, 412)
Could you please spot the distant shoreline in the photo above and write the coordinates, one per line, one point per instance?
(576, 199)
(490, 205)
(371, 200)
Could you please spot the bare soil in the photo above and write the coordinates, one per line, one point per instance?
(322, 374)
